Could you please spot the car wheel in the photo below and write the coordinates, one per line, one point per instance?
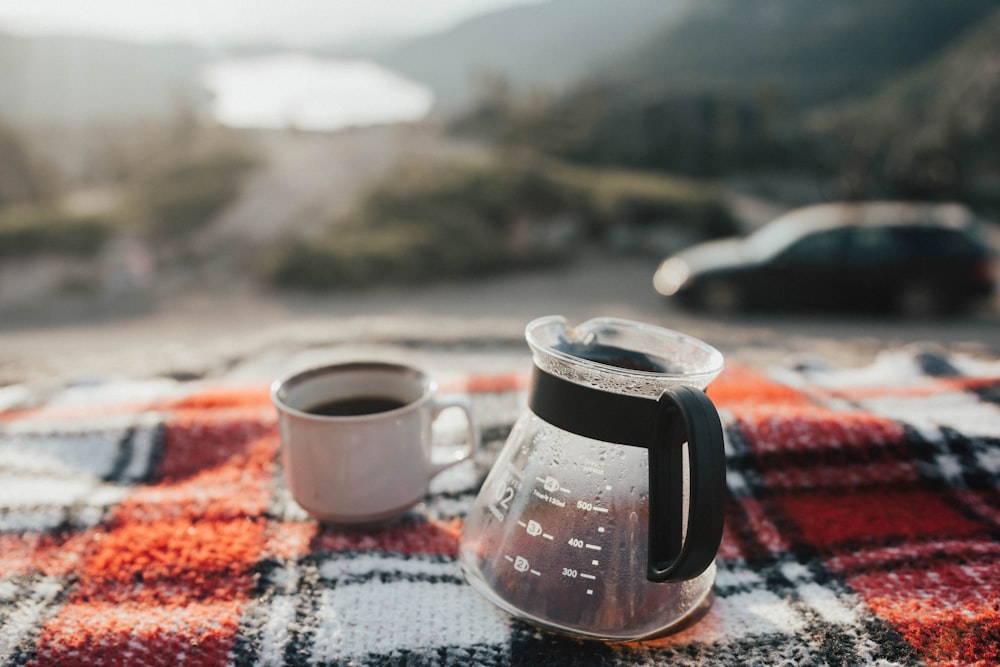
(720, 296)
(919, 301)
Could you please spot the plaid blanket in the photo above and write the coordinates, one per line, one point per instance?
(147, 523)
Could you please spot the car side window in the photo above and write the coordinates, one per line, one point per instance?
(822, 248)
(927, 243)
(875, 245)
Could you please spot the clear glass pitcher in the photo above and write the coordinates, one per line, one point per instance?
(603, 513)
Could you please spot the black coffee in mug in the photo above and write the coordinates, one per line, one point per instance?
(355, 406)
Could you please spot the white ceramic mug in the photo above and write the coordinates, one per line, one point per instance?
(365, 468)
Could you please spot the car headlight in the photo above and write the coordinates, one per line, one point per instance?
(672, 273)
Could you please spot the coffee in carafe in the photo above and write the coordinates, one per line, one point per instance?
(603, 513)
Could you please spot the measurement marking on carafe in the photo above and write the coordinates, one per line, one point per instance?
(552, 500)
(534, 529)
(595, 547)
(587, 576)
(521, 564)
(590, 591)
(600, 529)
(551, 484)
(588, 506)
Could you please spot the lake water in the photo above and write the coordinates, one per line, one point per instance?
(308, 93)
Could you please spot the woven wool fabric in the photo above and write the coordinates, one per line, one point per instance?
(148, 523)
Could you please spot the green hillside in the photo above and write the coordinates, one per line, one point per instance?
(934, 129)
(805, 51)
(735, 87)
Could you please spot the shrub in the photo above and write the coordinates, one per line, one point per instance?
(619, 196)
(25, 177)
(188, 193)
(35, 230)
(456, 221)
(399, 252)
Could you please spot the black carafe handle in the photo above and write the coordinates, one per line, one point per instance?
(680, 552)
(681, 415)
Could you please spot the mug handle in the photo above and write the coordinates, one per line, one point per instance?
(439, 406)
(685, 415)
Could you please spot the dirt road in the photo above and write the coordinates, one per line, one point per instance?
(307, 181)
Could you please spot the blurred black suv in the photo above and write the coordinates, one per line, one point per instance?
(915, 259)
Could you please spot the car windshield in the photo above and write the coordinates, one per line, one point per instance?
(772, 238)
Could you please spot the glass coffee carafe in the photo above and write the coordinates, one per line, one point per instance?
(603, 513)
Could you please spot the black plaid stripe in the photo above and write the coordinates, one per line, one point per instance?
(968, 462)
(276, 621)
(934, 364)
(69, 480)
(298, 614)
(26, 601)
(988, 392)
(473, 655)
(122, 455)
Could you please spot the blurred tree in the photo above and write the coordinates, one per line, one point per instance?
(25, 177)
(908, 90)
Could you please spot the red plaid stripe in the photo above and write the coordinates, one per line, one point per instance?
(854, 487)
(168, 579)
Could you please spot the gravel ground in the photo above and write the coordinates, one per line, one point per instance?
(245, 334)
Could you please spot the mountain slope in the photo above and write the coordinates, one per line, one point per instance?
(727, 86)
(805, 52)
(549, 44)
(937, 128)
(959, 90)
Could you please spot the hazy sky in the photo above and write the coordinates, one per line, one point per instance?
(221, 21)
